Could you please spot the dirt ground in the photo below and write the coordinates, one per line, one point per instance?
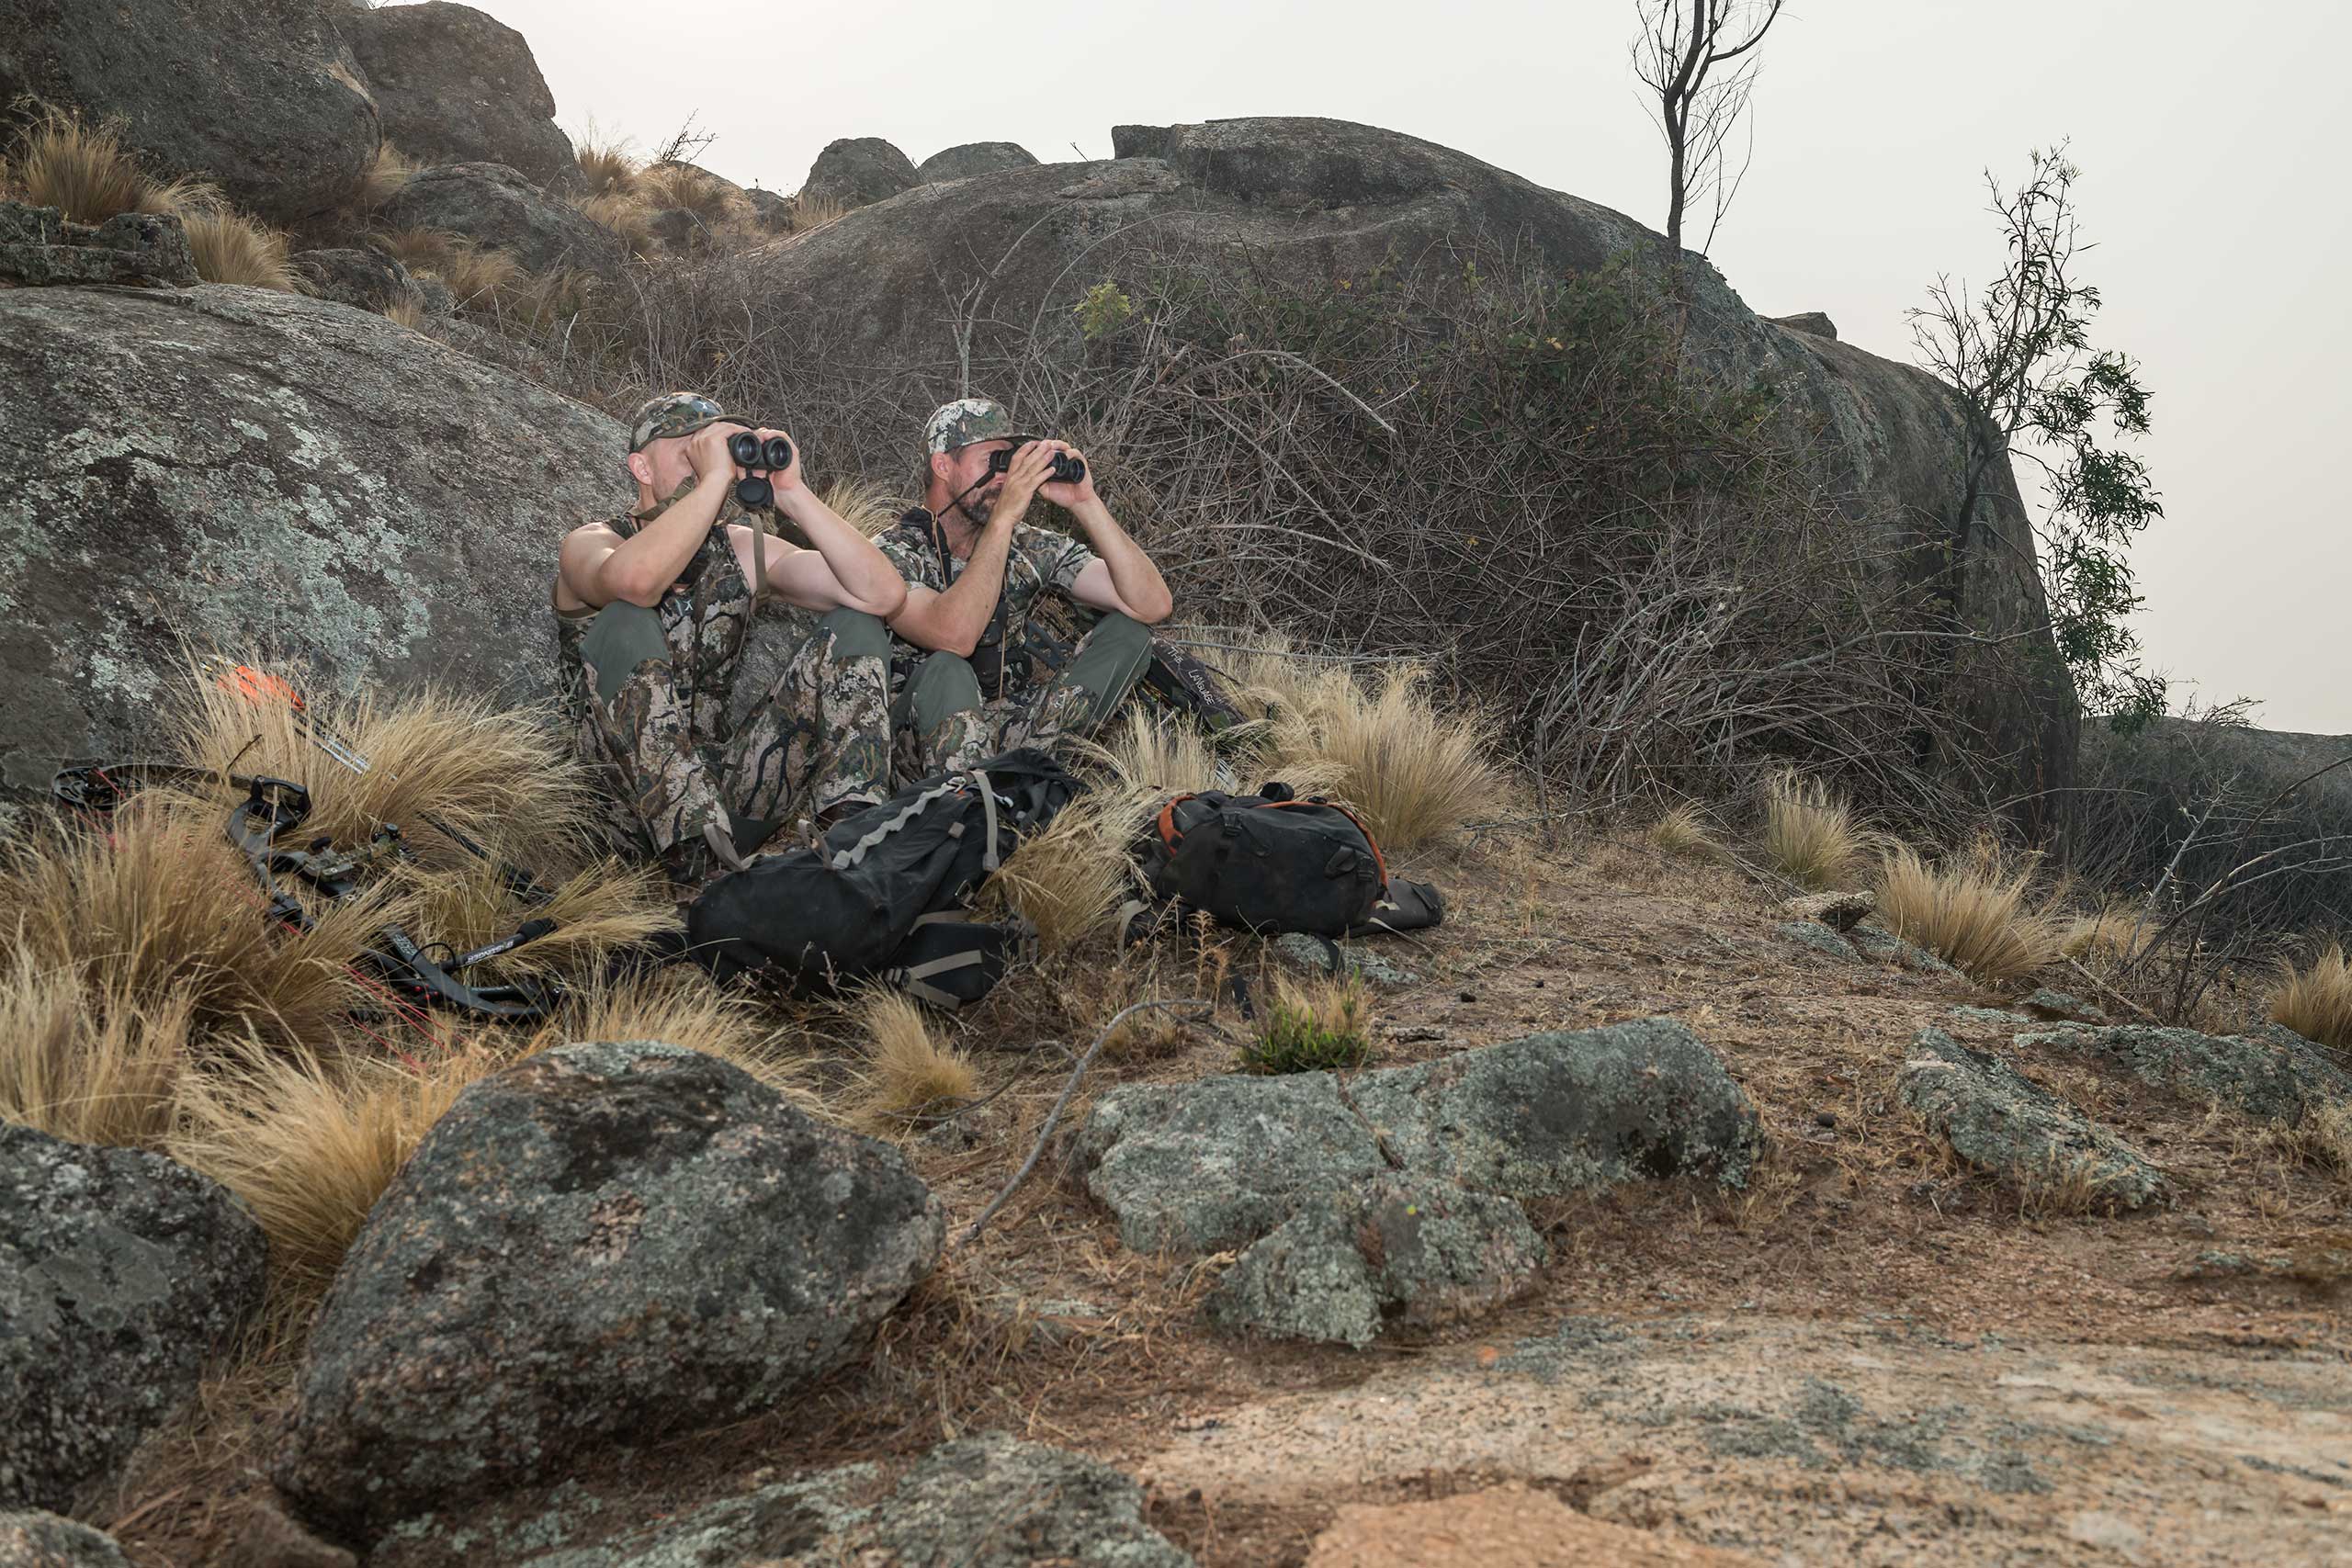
(1871, 1354)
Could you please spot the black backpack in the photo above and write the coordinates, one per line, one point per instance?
(880, 895)
(1269, 861)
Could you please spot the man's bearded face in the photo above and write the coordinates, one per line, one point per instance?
(966, 465)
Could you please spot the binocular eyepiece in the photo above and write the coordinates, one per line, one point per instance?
(749, 452)
(1067, 469)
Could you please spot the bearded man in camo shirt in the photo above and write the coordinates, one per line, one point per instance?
(994, 648)
(653, 613)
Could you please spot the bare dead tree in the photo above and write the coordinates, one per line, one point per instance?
(1698, 57)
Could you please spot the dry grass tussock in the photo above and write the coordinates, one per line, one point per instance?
(1070, 880)
(1685, 832)
(157, 909)
(2316, 1001)
(229, 247)
(1150, 760)
(83, 168)
(610, 164)
(816, 211)
(1809, 834)
(477, 276)
(1312, 1025)
(907, 1069)
(867, 507)
(1974, 909)
(2118, 931)
(90, 1068)
(679, 1008)
(1415, 774)
(682, 187)
(604, 906)
(387, 173)
(623, 214)
(310, 1142)
(408, 312)
(497, 775)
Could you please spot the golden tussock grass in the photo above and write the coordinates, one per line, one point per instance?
(1809, 833)
(2315, 1001)
(157, 907)
(407, 312)
(1150, 759)
(544, 299)
(229, 247)
(88, 1067)
(1070, 880)
(1415, 774)
(682, 187)
(604, 906)
(2116, 932)
(816, 211)
(609, 162)
(310, 1142)
(623, 214)
(497, 775)
(678, 1007)
(385, 176)
(477, 276)
(906, 1069)
(83, 168)
(1685, 832)
(1974, 909)
(865, 506)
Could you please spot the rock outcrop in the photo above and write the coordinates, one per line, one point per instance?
(366, 280)
(121, 1274)
(258, 96)
(972, 158)
(858, 170)
(492, 204)
(39, 248)
(456, 86)
(45, 1540)
(322, 482)
(599, 1246)
(1309, 200)
(2000, 1120)
(1390, 1199)
(2279, 1078)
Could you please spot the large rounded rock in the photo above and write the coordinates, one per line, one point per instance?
(259, 95)
(973, 158)
(1308, 201)
(366, 280)
(492, 204)
(600, 1245)
(857, 171)
(121, 1274)
(39, 246)
(44, 1541)
(321, 481)
(456, 86)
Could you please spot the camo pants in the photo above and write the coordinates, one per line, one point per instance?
(940, 721)
(816, 740)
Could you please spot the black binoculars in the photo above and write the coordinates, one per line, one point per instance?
(749, 451)
(1067, 468)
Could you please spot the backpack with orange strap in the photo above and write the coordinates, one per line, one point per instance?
(1272, 861)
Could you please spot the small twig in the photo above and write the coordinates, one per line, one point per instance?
(1053, 1117)
(2076, 964)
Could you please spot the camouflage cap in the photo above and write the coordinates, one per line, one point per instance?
(967, 420)
(672, 414)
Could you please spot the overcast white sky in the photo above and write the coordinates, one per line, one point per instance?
(2203, 130)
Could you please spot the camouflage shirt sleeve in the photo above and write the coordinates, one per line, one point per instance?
(912, 559)
(1058, 558)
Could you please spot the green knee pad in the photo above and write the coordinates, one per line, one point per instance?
(1111, 664)
(942, 686)
(622, 636)
(856, 635)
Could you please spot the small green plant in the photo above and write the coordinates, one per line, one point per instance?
(1104, 311)
(1314, 1028)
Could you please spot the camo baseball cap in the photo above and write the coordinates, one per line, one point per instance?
(967, 420)
(672, 414)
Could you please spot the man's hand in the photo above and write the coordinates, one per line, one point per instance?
(1023, 482)
(707, 452)
(1064, 494)
(782, 480)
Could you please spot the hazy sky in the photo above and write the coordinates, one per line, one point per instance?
(1874, 120)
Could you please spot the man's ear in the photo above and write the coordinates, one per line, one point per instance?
(640, 468)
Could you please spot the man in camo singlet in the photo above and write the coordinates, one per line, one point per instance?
(1010, 635)
(653, 612)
